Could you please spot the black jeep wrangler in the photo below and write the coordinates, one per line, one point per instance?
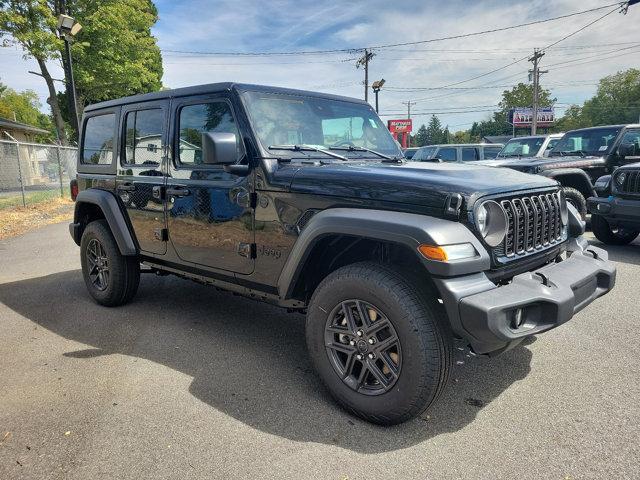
(615, 213)
(304, 200)
(578, 160)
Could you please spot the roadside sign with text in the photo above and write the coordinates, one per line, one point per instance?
(400, 126)
(523, 116)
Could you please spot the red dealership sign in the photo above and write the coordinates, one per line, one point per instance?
(400, 126)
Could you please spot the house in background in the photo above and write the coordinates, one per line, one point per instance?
(32, 158)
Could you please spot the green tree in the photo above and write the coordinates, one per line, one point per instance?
(115, 54)
(617, 100)
(461, 137)
(435, 132)
(23, 107)
(32, 25)
(421, 137)
(519, 96)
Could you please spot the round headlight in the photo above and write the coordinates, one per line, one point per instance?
(491, 221)
(564, 210)
(620, 178)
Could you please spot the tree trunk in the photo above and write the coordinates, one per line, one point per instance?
(53, 102)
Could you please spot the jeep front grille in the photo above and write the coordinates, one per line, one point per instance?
(533, 223)
(631, 183)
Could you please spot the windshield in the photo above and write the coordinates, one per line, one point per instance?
(281, 120)
(522, 147)
(594, 141)
(426, 153)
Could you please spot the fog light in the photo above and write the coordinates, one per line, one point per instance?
(518, 318)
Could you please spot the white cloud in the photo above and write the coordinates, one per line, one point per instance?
(251, 25)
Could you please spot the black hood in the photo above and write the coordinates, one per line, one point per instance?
(425, 184)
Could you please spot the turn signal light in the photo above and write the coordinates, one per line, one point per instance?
(447, 253)
(433, 253)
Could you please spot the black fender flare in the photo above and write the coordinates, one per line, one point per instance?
(408, 229)
(572, 172)
(108, 203)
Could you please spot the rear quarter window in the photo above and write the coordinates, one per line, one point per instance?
(97, 146)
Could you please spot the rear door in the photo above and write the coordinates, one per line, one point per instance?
(209, 210)
(142, 172)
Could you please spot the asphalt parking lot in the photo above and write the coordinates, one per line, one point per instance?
(189, 382)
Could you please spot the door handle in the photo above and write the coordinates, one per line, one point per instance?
(178, 192)
(126, 187)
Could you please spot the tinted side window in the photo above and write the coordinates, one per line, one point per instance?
(469, 154)
(632, 137)
(448, 154)
(491, 152)
(143, 137)
(98, 140)
(203, 117)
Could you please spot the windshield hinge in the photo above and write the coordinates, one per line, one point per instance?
(452, 205)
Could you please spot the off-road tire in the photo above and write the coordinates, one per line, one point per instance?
(603, 232)
(123, 271)
(576, 199)
(421, 325)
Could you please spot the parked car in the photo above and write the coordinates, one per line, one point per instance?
(615, 216)
(304, 200)
(531, 146)
(578, 159)
(457, 153)
(409, 152)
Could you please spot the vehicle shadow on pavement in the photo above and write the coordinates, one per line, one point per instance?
(623, 254)
(247, 359)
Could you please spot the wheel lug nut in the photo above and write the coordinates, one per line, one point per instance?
(359, 333)
(359, 357)
(372, 356)
(352, 343)
(372, 341)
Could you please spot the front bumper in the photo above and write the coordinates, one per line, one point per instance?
(485, 314)
(617, 211)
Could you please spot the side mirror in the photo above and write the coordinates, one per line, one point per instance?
(219, 148)
(627, 150)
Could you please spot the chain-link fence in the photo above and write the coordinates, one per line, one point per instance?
(33, 173)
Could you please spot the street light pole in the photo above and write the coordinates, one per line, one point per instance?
(67, 27)
(376, 86)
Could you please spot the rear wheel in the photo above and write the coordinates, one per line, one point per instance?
(111, 278)
(611, 236)
(380, 342)
(575, 198)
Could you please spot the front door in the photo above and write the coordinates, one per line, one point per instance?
(142, 172)
(209, 211)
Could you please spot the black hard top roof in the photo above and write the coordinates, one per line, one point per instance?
(213, 88)
(624, 125)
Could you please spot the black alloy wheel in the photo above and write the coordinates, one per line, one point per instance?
(363, 347)
(98, 264)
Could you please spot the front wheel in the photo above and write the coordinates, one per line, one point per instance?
(380, 342)
(111, 278)
(611, 236)
(575, 198)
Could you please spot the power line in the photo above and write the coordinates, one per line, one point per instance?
(401, 44)
(485, 74)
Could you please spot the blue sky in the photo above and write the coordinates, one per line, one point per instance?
(284, 25)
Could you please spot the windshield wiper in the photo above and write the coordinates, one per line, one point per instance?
(351, 148)
(306, 148)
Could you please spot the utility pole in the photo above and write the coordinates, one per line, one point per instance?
(535, 73)
(408, 104)
(364, 62)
